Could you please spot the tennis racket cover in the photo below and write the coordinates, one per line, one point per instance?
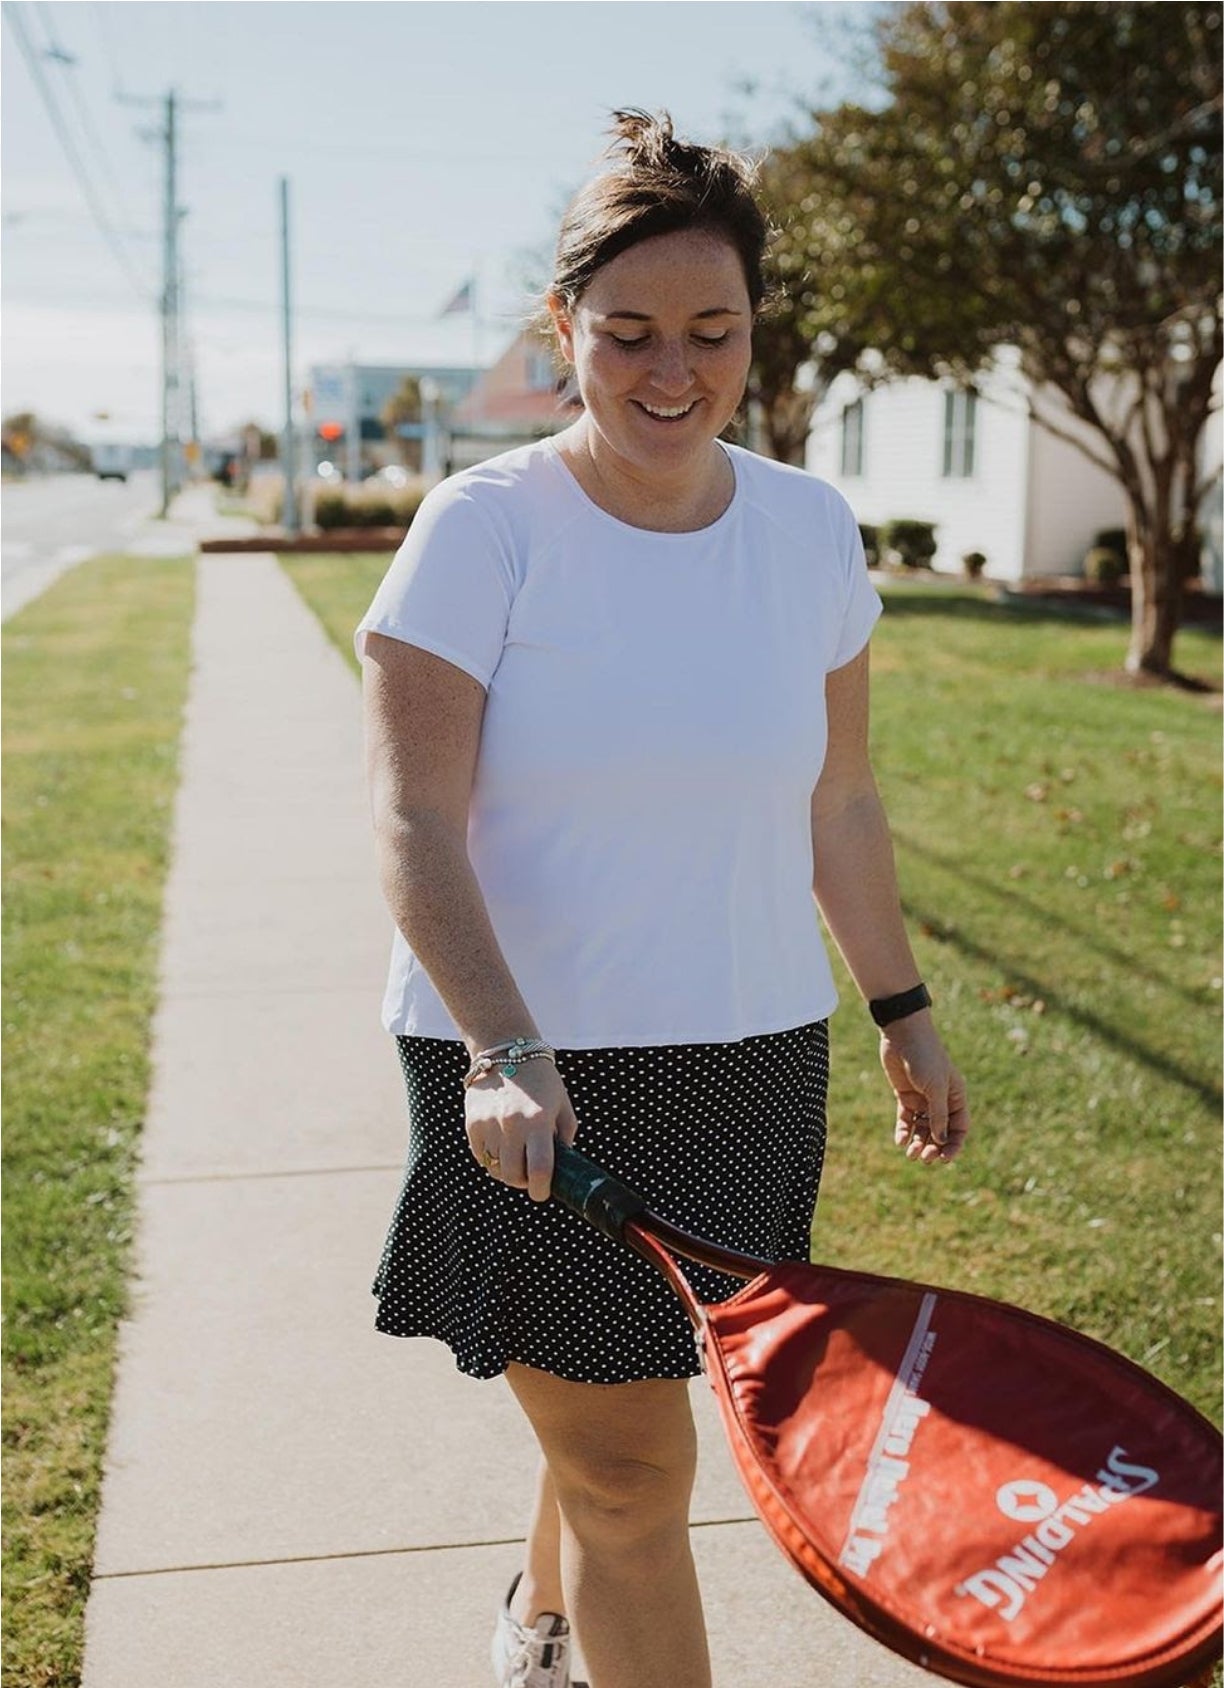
(988, 1493)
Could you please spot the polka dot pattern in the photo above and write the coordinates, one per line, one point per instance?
(724, 1139)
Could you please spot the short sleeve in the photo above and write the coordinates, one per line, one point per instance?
(863, 605)
(449, 588)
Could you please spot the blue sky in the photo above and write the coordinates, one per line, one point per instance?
(423, 142)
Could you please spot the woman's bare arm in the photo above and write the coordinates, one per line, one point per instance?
(855, 884)
(422, 726)
(422, 720)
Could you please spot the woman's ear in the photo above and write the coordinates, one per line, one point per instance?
(563, 325)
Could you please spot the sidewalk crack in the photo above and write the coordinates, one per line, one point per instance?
(358, 1553)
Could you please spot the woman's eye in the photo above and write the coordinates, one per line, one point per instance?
(642, 339)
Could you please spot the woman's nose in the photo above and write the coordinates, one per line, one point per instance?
(670, 371)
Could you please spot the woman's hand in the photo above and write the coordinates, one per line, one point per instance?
(511, 1124)
(932, 1111)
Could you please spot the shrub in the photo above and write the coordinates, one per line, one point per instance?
(330, 511)
(871, 544)
(1103, 566)
(973, 563)
(912, 543)
(355, 507)
(1112, 539)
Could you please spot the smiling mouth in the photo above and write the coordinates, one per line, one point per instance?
(662, 413)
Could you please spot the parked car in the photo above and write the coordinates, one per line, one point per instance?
(112, 462)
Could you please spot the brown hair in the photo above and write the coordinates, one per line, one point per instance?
(659, 185)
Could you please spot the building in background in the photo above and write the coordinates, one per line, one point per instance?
(981, 470)
(345, 402)
(975, 465)
(523, 397)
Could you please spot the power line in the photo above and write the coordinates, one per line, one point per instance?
(380, 149)
(323, 313)
(17, 24)
(68, 63)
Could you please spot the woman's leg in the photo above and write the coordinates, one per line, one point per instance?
(539, 1588)
(622, 1458)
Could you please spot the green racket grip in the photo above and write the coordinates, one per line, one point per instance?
(587, 1190)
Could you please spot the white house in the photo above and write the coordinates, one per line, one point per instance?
(988, 477)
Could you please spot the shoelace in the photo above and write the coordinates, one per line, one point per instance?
(542, 1652)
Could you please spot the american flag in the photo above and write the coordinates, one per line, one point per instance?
(464, 301)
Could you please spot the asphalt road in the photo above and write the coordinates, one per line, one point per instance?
(49, 524)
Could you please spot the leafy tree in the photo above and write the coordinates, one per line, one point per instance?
(1047, 177)
(802, 341)
(42, 444)
(404, 405)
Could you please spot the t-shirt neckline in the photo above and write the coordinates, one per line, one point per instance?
(668, 534)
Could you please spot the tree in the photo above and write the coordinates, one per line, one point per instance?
(42, 445)
(404, 405)
(1047, 177)
(799, 346)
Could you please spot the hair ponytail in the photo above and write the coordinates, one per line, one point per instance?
(655, 184)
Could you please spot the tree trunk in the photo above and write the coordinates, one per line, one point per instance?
(787, 435)
(1163, 545)
(786, 421)
(1156, 607)
(787, 449)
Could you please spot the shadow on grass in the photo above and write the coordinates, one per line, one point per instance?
(913, 601)
(966, 606)
(1085, 935)
(1124, 1042)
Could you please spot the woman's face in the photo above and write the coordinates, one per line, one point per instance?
(661, 342)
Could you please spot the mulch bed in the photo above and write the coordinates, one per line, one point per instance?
(338, 539)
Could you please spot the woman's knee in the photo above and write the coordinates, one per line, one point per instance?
(621, 1498)
(622, 1458)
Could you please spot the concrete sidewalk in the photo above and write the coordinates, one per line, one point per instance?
(292, 1500)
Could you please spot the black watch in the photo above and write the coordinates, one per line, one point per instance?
(886, 1009)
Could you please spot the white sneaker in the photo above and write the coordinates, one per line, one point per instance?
(531, 1658)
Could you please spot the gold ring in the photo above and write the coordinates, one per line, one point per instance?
(489, 1160)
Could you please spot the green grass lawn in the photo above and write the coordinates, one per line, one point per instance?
(95, 675)
(1058, 844)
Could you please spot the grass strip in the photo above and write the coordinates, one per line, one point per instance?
(1058, 846)
(95, 680)
(338, 589)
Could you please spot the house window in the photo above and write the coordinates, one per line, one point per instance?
(960, 424)
(852, 439)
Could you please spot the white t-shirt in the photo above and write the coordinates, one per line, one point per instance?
(653, 729)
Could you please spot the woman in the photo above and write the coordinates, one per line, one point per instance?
(616, 693)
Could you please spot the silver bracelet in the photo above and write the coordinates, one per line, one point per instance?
(506, 1058)
(519, 1044)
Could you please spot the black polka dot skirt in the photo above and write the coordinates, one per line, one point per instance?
(724, 1139)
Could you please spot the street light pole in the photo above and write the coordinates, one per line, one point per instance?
(289, 511)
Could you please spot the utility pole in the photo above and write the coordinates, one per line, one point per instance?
(171, 405)
(170, 336)
(289, 511)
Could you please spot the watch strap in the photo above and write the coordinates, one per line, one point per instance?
(886, 1009)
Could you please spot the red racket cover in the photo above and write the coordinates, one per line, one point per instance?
(986, 1492)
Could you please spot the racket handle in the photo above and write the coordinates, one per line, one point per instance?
(587, 1190)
